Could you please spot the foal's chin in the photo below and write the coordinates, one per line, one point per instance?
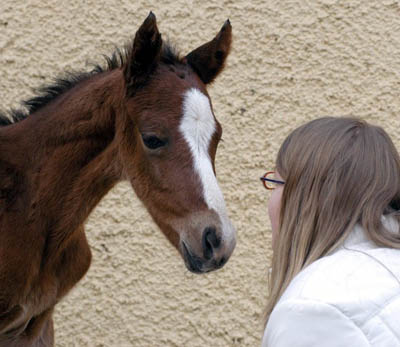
(206, 260)
(204, 242)
(197, 265)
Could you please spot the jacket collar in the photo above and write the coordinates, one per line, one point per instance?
(358, 238)
(359, 242)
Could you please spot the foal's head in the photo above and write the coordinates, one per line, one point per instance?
(169, 137)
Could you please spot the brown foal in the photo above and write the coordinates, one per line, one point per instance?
(146, 118)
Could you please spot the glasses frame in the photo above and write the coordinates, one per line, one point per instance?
(264, 180)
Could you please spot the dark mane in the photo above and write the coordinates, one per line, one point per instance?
(60, 85)
(170, 55)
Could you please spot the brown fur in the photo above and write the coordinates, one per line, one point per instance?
(74, 146)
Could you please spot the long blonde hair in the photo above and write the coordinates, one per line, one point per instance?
(338, 172)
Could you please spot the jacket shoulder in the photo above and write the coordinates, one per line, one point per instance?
(351, 295)
(308, 323)
(358, 282)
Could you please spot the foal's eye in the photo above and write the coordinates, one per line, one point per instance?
(153, 142)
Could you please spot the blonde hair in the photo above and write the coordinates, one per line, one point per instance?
(338, 172)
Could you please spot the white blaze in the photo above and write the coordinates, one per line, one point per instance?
(198, 126)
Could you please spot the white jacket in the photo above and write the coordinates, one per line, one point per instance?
(350, 298)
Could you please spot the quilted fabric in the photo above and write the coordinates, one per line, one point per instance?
(351, 297)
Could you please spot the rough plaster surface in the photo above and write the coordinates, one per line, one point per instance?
(292, 61)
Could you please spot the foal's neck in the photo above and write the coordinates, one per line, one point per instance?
(67, 155)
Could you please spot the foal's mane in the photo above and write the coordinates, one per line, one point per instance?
(47, 93)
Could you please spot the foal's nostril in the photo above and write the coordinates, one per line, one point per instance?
(222, 262)
(210, 242)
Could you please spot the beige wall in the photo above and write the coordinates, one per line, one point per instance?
(292, 61)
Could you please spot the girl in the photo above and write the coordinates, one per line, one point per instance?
(335, 277)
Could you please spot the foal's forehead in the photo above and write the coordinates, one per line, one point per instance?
(196, 106)
(197, 113)
(198, 124)
(172, 83)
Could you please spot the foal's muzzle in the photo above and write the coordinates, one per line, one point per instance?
(212, 256)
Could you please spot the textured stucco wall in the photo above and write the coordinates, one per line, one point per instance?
(291, 61)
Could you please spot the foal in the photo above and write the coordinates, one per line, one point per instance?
(146, 118)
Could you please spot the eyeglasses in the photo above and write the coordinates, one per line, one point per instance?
(270, 183)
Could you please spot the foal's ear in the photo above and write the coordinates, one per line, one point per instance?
(144, 54)
(208, 60)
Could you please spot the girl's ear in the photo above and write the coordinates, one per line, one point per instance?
(208, 60)
(144, 55)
